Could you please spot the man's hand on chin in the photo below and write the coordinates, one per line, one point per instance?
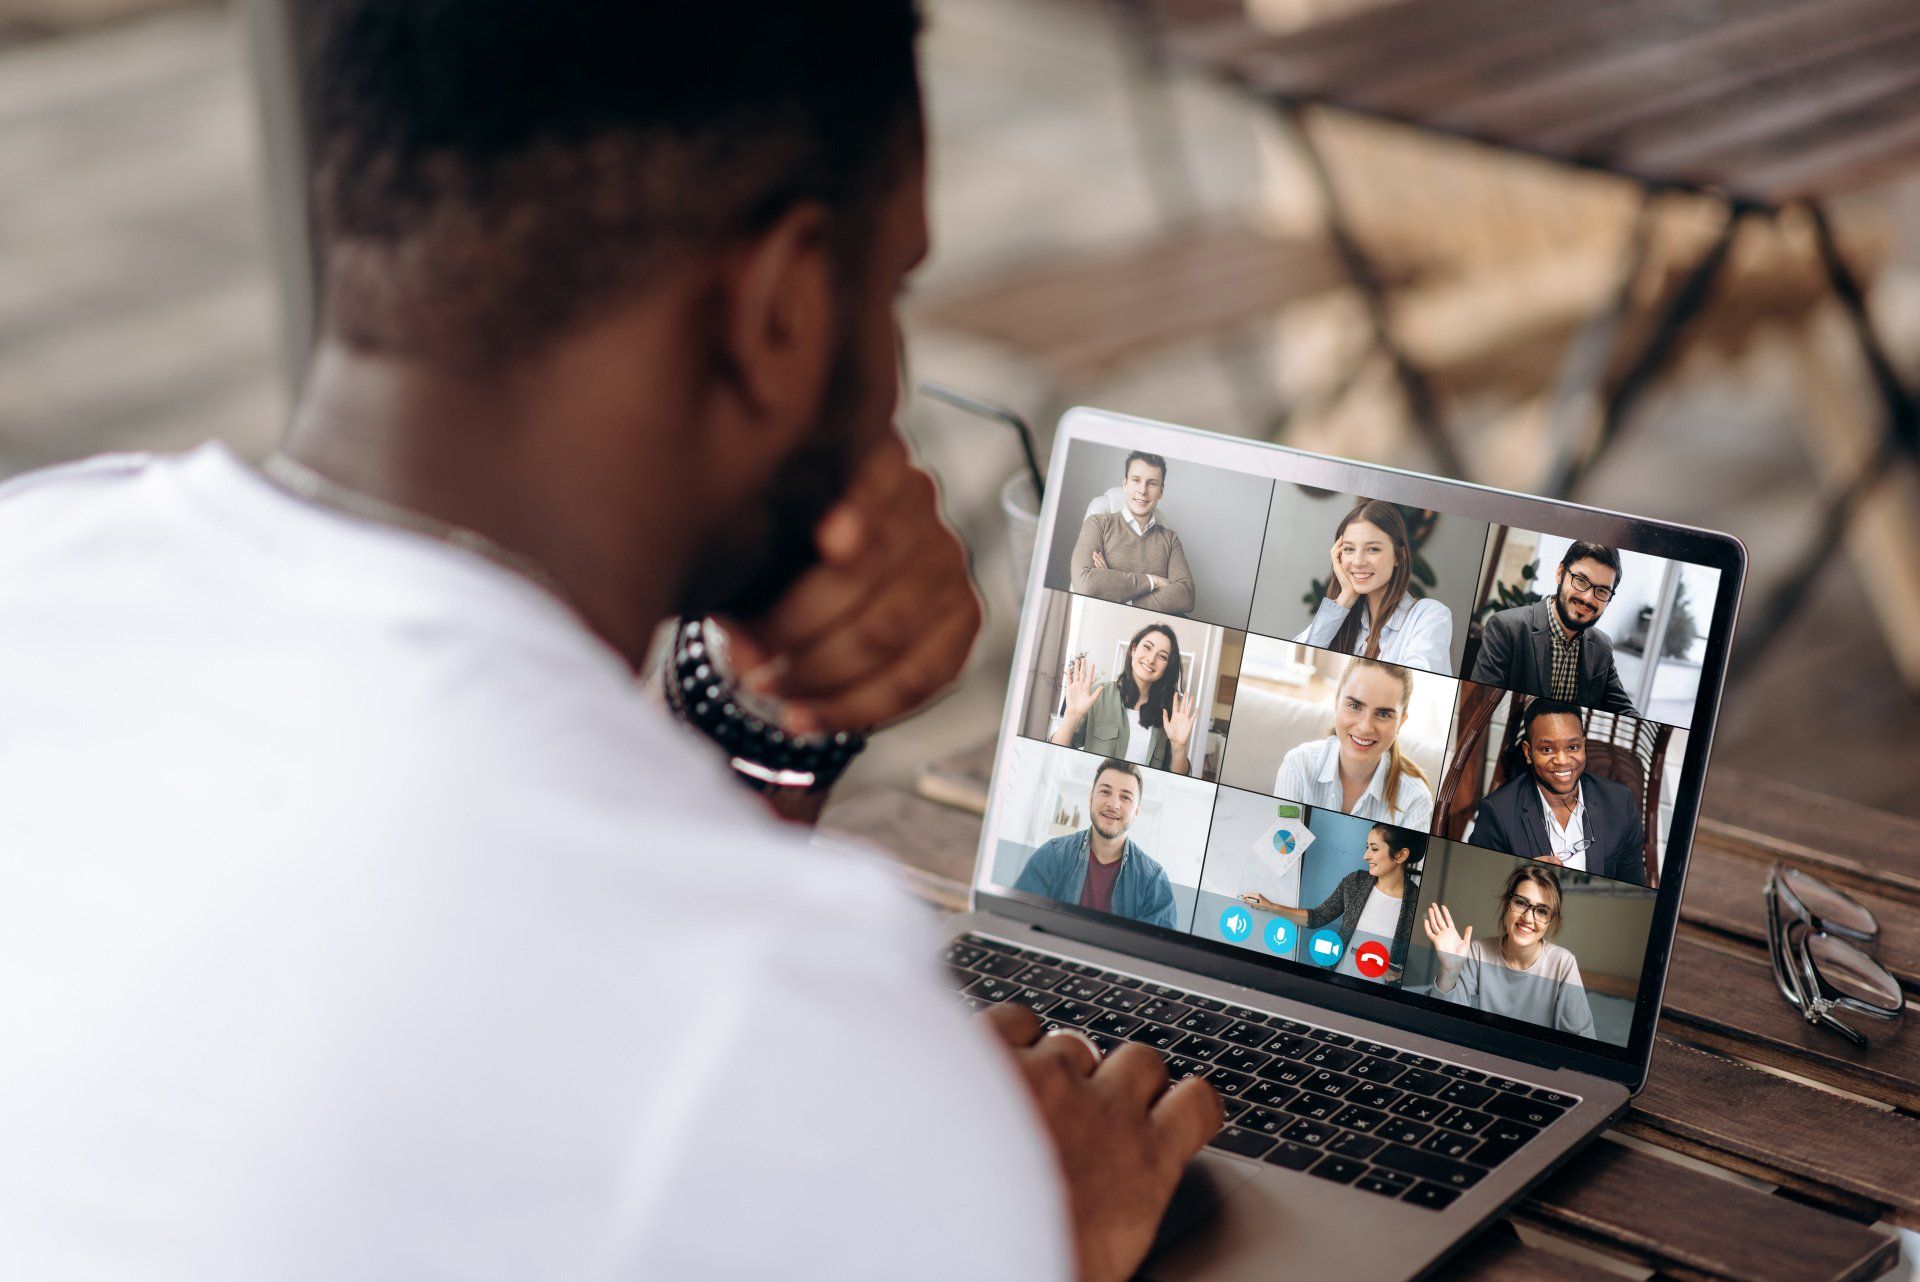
(884, 622)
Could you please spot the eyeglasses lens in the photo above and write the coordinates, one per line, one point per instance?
(1835, 910)
(1853, 973)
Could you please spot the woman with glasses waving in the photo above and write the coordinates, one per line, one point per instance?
(1518, 973)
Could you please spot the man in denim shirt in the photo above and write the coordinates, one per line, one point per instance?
(1099, 867)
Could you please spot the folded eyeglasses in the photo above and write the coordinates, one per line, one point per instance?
(1815, 938)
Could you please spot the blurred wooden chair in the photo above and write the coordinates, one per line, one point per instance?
(1626, 750)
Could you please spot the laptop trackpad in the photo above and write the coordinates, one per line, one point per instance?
(1204, 1185)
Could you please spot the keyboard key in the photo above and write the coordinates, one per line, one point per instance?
(1265, 1121)
(1128, 981)
(1252, 1036)
(1247, 1014)
(1228, 1083)
(1355, 1118)
(1502, 1140)
(1161, 1039)
(1420, 1062)
(993, 945)
(1167, 991)
(1432, 1196)
(1200, 1021)
(1317, 1107)
(1448, 1144)
(1081, 988)
(1286, 1025)
(1121, 999)
(1531, 1111)
(1508, 1085)
(1242, 1060)
(1163, 1011)
(1295, 1157)
(961, 953)
(1075, 1013)
(1464, 1120)
(1418, 1108)
(1341, 1170)
(1234, 1110)
(1420, 1082)
(1268, 1094)
(1309, 1132)
(1373, 1048)
(1108, 1045)
(1371, 1068)
(1291, 1045)
(1428, 1166)
(1232, 1139)
(1035, 1000)
(1078, 968)
(1328, 1083)
(991, 989)
(1197, 1047)
(1332, 1038)
(1399, 1130)
(1039, 976)
(1000, 965)
(1287, 1072)
(1370, 1096)
(1202, 1003)
(1385, 1183)
(1553, 1097)
(1114, 1024)
(1333, 1057)
(1468, 1094)
(1355, 1146)
(1460, 1074)
(1180, 1067)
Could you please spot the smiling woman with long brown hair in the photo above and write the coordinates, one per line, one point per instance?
(1141, 715)
(1369, 608)
(1519, 972)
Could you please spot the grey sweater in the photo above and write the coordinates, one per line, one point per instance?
(1130, 559)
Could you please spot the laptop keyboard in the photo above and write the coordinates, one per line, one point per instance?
(1393, 1123)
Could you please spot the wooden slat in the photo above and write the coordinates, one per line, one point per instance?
(1496, 1256)
(1808, 129)
(1763, 818)
(1787, 1133)
(1863, 160)
(1541, 51)
(1660, 82)
(1723, 894)
(1728, 1000)
(1685, 1222)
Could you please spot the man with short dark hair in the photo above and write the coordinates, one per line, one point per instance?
(1130, 555)
(1100, 867)
(1557, 812)
(1551, 648)
(416, 940)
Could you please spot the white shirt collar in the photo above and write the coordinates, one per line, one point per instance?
(1330, 770)
(1153, 518)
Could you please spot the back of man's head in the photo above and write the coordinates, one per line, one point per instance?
(490, 173)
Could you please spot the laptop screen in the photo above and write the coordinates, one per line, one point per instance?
(1359, 731)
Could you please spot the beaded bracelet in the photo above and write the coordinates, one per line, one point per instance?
(766, 757)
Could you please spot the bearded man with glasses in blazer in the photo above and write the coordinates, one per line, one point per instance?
(1551, 648)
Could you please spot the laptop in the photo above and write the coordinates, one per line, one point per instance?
(1366, 794)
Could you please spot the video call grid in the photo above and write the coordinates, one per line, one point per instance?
(1449, 740)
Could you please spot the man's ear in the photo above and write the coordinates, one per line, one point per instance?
(778, 321)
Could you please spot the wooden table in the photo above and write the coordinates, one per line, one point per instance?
(1762, 1148)
(1763, 105)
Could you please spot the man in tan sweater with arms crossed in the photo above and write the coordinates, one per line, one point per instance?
(1129, 556)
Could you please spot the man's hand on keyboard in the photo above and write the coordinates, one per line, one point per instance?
(1123, 1135)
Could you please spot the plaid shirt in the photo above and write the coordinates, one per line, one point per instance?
(1566, 658)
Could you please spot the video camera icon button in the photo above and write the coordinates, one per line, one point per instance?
(1236, 923)
(1324, 947)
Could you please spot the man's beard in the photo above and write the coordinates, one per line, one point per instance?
(1566, 621)
(1117, 833)
(769, 542)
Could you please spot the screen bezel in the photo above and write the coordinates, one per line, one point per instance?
(1426, 1016)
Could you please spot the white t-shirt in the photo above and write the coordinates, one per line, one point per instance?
(359, 919)
(1138, 738)
(1568, 842)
